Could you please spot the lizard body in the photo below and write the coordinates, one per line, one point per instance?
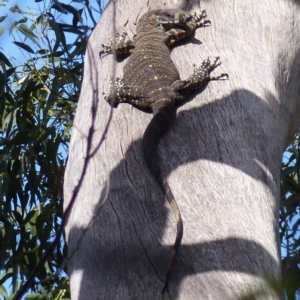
(151, 82)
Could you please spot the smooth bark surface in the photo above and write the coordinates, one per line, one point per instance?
(222, 158)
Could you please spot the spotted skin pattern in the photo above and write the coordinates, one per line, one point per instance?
(151, 82)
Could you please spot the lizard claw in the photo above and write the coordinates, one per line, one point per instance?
(208, 66)
(111, 46)
(214, 65)
(106, 49)
(119, 82)
(200, 19)
(221, 76)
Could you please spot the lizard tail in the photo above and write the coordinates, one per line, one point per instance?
(160, 123)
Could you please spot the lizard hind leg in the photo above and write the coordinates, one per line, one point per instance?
(198, 80)
(134, 95)
(113, 97)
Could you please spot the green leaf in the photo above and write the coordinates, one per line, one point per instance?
(34, 296)
(44, 293)
(57, 32)
(23, 20)
(3, 290)
(2, 18)
(24, 46)
(43, 51)
(31, 217)
(16, 8)
(4, 58)
(16, 168)
(10, 71)
(23, 28)
(18, 217)
(5, 276)
(20, 139)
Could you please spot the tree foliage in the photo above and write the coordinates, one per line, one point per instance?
(38, 98)
(289, 220)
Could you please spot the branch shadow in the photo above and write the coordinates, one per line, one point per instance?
(127, 232)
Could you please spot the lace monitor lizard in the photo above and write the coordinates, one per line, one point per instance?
(151, 82)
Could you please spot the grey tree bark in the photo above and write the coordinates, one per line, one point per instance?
(222, 159)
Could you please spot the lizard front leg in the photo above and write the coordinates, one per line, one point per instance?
(120, 44)
(197, 80)
(186, 29)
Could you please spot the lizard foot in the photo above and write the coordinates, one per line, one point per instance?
(208, 66)
(106, 48)
(113, 44)
(119, 82)
(200, 19)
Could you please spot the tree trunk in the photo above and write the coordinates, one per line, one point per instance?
(222, 159)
